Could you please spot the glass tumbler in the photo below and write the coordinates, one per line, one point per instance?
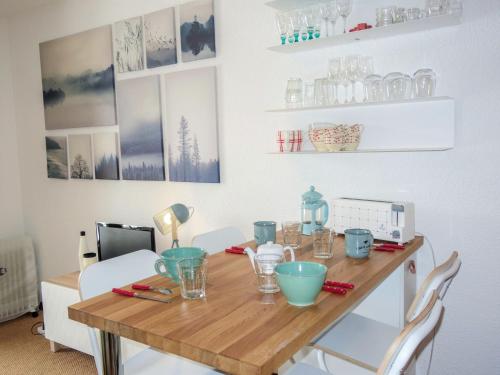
(374, 88)
(435, 7)
(292, 233)
(321, 91)
(385, 16)
(193, 277)
(323, 243)
(264, 269)
(293, 96)
(397, 86)
(424, 83)
(413, 14)
(308, 94)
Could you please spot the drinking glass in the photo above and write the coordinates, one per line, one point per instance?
(293, 96)
(333, 15)
(400, 15)
(413, 14)
(366, 68)
(397, 86)
(435, 7)
(454, 7)
(385, 16)
(193, 277)
(424, 83)
(320, 92)
(316, 20)
(264, 269)
(282, 25)
(344, 7)
(292, 233)
(323, 243)
(308, 94)
(295, 22)
(353, 74)
(374, 88)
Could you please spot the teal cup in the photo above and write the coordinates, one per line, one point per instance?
(170, 257)
(300, 282)
(264, 231)
(358, 243)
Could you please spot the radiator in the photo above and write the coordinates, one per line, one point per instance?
(18, 278)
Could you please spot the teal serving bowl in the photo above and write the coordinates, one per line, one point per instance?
(300, 282)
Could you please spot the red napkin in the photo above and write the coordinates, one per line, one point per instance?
(235, 250)
(339, 284)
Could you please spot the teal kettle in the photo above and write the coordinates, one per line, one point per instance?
(314, 211)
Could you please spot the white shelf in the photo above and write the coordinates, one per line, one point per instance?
(413, 125)
(363, 151)
(358, 105)
(428, 23)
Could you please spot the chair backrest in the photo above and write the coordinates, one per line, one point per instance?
(101, 277)
(219, 239)
(439, 279)
(405, 345)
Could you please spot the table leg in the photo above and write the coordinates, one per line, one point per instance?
(111, 354)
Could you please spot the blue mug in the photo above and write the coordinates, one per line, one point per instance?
(358, 243)
(264, 231)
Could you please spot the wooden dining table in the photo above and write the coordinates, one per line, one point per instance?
(236, 329)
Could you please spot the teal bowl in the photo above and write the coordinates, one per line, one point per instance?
(301, 282)
(170, 257)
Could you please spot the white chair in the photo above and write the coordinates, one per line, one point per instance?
(363, 341)
(100, 278)
(219, 239)
(402, 349)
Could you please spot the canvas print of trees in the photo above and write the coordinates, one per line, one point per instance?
(78, 80)
(197, 30)
(191, 100)
(141, 138)
(159, 29)
(106, 156)
(80, 157)
(129, 45)
(57, 157)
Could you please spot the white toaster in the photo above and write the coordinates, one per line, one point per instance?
(388, 221)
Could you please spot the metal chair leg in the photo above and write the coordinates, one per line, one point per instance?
(320, 355)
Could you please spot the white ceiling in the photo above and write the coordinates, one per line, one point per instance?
(10, 7)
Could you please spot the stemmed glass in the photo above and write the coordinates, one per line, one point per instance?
(344, 7)
(352, 67)
(282, 24)
(366, 69)
(295, 23)
(333, 15)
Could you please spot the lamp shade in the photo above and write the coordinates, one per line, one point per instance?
(168, 220)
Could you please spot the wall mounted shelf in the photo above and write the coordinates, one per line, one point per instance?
(424, 24)
(362, 151)
(358, 105)
(404, 126)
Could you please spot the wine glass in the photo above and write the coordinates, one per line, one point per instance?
(308, 20)
(344, 7)
(295, 22)
(366, 68)
(282, 25)
(334, 68)
(333, 15)
(353, 73)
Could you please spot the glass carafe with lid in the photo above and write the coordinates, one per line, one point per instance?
(314, 211)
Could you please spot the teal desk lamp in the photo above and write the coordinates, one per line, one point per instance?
(170, 219)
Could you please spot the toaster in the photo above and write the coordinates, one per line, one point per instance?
(388, 221)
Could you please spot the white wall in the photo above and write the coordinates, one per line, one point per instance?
(11, 211)
(455, 192)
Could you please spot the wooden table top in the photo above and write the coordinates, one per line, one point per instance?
(236, 329)
(69, 280)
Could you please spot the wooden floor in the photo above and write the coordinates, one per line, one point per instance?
(22, 353)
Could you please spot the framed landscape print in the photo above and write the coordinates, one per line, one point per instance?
(80, 157)
(78, 80)
(141, 137)
(57, 157)
(106, 156)
(197, 30)
(193, 151)
(129, 45)
(159, 29)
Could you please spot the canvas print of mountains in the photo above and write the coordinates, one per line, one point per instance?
(193, 150)
(159, 29)
(78, 80)
(57, 157)
(197, 30)
(129, 45)
(106, 156)
(141, 138)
